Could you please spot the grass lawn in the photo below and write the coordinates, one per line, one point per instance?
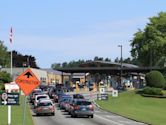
(17, 114)
(131, 105)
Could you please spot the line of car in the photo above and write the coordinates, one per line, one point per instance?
(76, 105)
(41, 102)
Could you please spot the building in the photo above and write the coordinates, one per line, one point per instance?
(53, 76)
(40, 74)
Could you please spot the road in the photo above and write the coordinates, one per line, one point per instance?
(100, 118)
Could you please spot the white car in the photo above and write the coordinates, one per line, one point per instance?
(39, 97)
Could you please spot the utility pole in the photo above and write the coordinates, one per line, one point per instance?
(120, 64)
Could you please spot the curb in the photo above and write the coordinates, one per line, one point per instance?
(96, 104)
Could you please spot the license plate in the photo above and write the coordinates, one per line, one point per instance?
(83, 109)
(45, 108)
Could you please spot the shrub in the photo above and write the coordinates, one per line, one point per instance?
(155, 79)
(2, 87)
(152, 91)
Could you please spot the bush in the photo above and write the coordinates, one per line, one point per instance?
(152, 91)
(155, 79)
(5, 77)
(2, 86)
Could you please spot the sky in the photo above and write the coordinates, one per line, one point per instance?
(57, 31)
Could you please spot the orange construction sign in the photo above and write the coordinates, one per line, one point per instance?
(27, 81)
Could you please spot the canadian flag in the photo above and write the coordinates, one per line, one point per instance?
(11, 35)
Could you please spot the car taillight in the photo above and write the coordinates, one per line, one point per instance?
(66, 104)
(91, 107)
(51, 108)
(76, 107)
(39, 109)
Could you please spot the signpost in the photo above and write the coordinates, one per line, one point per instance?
(27, 81)
(103, 96)
(102, 90)
(9, 99)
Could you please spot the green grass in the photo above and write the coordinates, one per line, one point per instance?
(17, 114)
(131, 105)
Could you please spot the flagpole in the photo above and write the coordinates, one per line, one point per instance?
(11, 73)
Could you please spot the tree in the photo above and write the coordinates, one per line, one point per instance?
(20, 60)
(96, 58)
(4, 78)
(108, 60)
(117, 60)
(4, 56)
(56, 66)
(148, 45)
(65, 65)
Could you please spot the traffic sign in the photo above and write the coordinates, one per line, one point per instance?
(115, 93)
(27, 81)
(9, 99)
(4, 96)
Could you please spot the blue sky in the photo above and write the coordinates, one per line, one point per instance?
(66, 30)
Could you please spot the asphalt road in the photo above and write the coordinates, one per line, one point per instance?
(100, 118)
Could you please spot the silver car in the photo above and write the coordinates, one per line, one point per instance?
(45, 106)
(81, 107)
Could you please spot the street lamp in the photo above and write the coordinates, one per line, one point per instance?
(120, 64)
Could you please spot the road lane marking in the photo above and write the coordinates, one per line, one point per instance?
(130, 122)
(111, 116)
(108, 120)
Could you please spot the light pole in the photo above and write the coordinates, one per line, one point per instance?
(120, 64)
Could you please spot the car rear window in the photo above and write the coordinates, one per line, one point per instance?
(45, 104)
(83, 103)
(78, 96)
(59, 91)
(41, 97)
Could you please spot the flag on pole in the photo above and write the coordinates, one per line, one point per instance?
(11, 35)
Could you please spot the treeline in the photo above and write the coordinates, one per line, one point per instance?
(148, 46)
(19, 60)
(96, 58)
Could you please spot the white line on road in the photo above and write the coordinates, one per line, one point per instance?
(111, 116)
(108, 120)
(130, 122)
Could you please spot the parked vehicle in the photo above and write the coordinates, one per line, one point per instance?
(45, 106)
(81, 107)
